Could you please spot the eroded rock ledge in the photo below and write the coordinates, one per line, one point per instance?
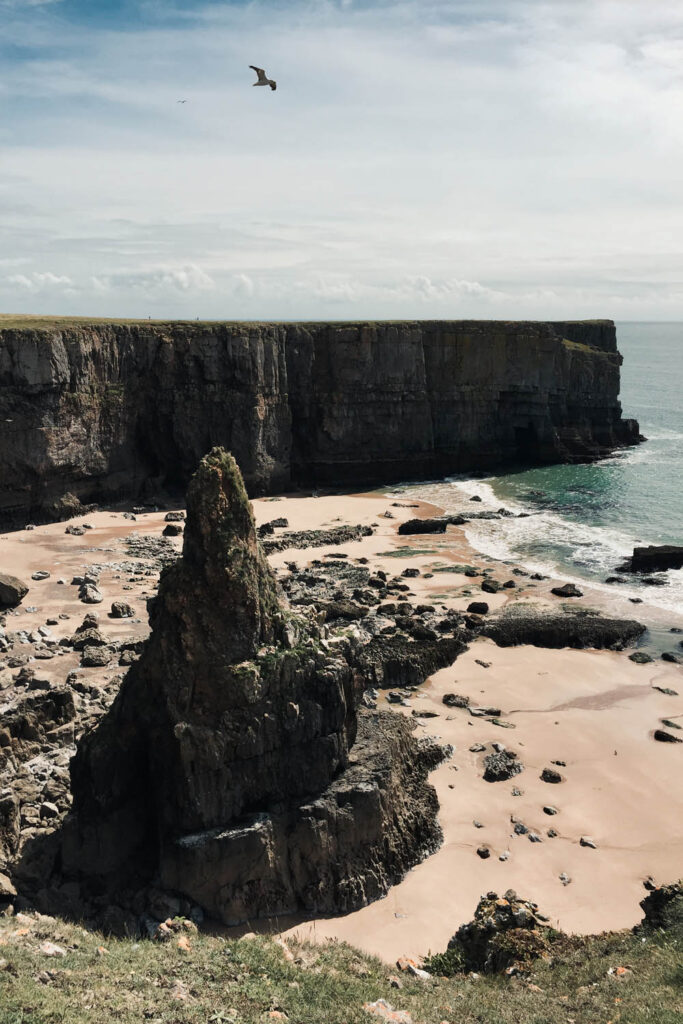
(234, 767)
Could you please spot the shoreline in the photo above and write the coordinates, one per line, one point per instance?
(605, 891)
(570, 705)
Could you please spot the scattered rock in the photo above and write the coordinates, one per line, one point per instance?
(501, 766)
(491, 586)
(640, 657)
(96, 657)
(12, 591)
(381, 1008)
(478, 607)
(587, 841)
(550, 775)
(172, 530)
(565, 879)
(51, 949)
(455, 700)
(174, 517)
(483, 852)
(89, 594)
(75, 531)
(548, 809)
(42, 574)
(568, 590)
(121, 610)
(666, 737)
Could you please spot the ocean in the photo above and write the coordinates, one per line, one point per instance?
(587, 518)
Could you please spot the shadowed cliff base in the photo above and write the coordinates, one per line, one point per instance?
(234, 769)
(97, 410)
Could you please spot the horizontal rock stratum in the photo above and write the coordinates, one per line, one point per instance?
(104, 409)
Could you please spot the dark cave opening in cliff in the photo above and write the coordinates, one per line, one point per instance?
(526, 441)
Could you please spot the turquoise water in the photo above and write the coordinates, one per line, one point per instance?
(587, 518)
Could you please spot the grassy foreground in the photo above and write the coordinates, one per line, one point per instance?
(203, 978)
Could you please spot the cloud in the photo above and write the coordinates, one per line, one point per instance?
(40, 281)
(503, 157)
(188, 279)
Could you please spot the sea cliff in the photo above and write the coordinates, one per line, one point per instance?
(108, 409)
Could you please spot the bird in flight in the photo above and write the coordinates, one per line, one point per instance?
(263, 78)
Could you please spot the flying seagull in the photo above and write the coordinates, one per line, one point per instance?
(181, 101)
(263, 78)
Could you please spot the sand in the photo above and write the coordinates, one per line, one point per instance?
(596, 711)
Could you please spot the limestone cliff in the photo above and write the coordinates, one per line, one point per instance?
(101, 409)
(234, 767)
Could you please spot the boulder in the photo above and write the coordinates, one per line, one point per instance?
(501, 766)
(415, 526)
(562, 630)
(172, 530)
(568, 590)
(12, 591)
(234, 767)
(121, 610)
(478, 607)
(657, 558)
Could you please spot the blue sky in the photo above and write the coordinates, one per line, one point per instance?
(440, 158)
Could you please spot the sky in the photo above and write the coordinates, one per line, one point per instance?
(423, 158)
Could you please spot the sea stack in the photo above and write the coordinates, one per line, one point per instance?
(235, 768)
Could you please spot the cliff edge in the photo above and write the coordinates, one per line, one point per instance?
(98, 410)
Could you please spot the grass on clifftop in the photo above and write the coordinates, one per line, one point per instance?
(219, 981)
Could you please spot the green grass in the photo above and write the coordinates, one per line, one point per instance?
(246, 980)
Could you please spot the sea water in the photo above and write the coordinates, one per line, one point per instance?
(585, 519)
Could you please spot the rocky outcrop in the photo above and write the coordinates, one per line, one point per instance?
(234, 768)
(655, 558)
(507, 934)
(564, 630)
(92, 410)
(662, 907)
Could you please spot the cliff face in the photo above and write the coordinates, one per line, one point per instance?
(234, 766)
(105, 409)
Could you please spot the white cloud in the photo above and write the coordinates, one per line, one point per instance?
(189, 279)
(503, 157)
(40, 281)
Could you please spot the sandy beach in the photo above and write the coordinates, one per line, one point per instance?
(595, 712)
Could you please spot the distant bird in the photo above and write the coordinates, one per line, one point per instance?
(181, 101)
(263, 78)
